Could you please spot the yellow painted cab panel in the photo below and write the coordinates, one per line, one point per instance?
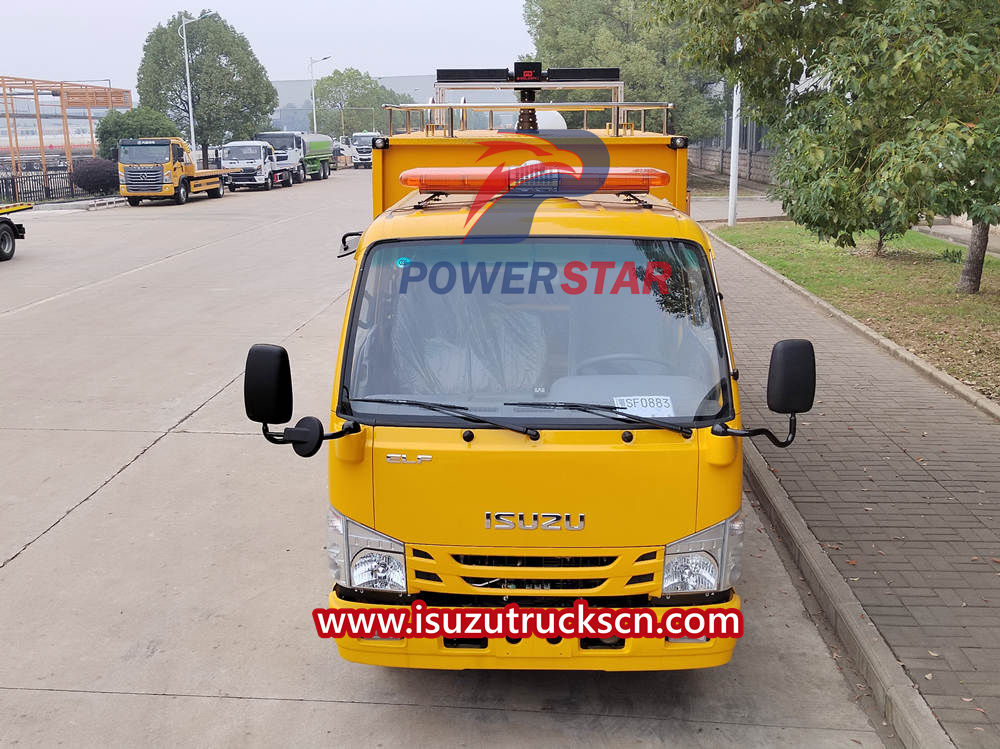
(631, 494)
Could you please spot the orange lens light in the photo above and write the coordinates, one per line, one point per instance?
(534, 179)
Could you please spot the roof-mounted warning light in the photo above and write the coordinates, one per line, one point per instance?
(534, 179)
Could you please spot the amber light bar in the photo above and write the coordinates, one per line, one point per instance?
(534, 179)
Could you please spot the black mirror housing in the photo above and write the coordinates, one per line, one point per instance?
(791, 379)
(267, 385)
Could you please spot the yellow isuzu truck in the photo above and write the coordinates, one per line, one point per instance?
(535, 398)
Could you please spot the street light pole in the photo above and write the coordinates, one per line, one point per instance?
(312, 84)
(734, 149)
(182, 31)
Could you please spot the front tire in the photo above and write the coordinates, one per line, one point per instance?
(181, 194)
(269, 182)
(7, 242)
(287, 180)
(134, 201)
(300, 174)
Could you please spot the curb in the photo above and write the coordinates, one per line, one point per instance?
(929, 371)
(895, 694)
(98, 204)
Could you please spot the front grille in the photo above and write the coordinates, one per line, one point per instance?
(144, 179)
(506, 571)
(483, 560)
(534, 584)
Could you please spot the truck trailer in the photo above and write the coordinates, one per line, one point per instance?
(535, 398)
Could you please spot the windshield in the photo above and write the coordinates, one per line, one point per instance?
(281, 141)
(362, 140)
(241, 153)
(621, 322)
(145, 154)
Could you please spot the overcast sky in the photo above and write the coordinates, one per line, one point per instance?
(74, 40)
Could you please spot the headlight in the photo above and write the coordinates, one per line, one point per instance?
(706, 561)
(363, 558)
(167, 177)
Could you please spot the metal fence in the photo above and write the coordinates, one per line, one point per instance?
(37, 187)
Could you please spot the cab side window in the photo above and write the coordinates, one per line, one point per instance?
(178, 153)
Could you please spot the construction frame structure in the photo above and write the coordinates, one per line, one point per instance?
(43, 100)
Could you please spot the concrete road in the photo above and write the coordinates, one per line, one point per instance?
(160, 560)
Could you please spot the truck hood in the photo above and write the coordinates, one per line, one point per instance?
(581, 488)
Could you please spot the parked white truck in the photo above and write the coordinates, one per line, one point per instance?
(257, 163)
(304, 153)
(359, 148)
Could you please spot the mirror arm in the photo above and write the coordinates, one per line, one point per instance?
(722, 430)
(350, 427)
(275, 438)
(292, 435)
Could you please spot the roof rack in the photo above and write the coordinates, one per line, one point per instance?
(527, 79)
(434, 117)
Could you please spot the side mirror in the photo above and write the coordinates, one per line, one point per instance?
(791, 379)
(267, 396)
(267, 386)
(791, 387)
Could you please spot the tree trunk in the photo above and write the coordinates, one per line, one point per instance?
(204, 156)
(972, 269)
(880, 245)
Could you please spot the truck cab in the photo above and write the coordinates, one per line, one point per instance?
(255, 165)
(360, 145)
(535, 397)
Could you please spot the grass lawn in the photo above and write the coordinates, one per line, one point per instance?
(908, 295)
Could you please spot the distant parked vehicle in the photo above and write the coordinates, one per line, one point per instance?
(360, 149)
(303, 153)
(257, 164)
(164, 168)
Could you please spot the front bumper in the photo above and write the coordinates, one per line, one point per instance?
(640, 654)
(166, 192)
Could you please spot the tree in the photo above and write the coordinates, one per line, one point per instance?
(347, 95)
(96, 176)
(883, 111)
(141, 122)
(622, 34)
(232, 95)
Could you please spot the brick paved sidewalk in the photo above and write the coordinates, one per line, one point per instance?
(900, 481)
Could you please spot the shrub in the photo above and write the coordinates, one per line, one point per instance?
(96, 176)
(952, 254)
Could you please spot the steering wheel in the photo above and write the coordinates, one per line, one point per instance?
(621, 357)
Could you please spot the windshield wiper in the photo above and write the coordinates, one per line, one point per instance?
(446, 408)
(615, 412)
